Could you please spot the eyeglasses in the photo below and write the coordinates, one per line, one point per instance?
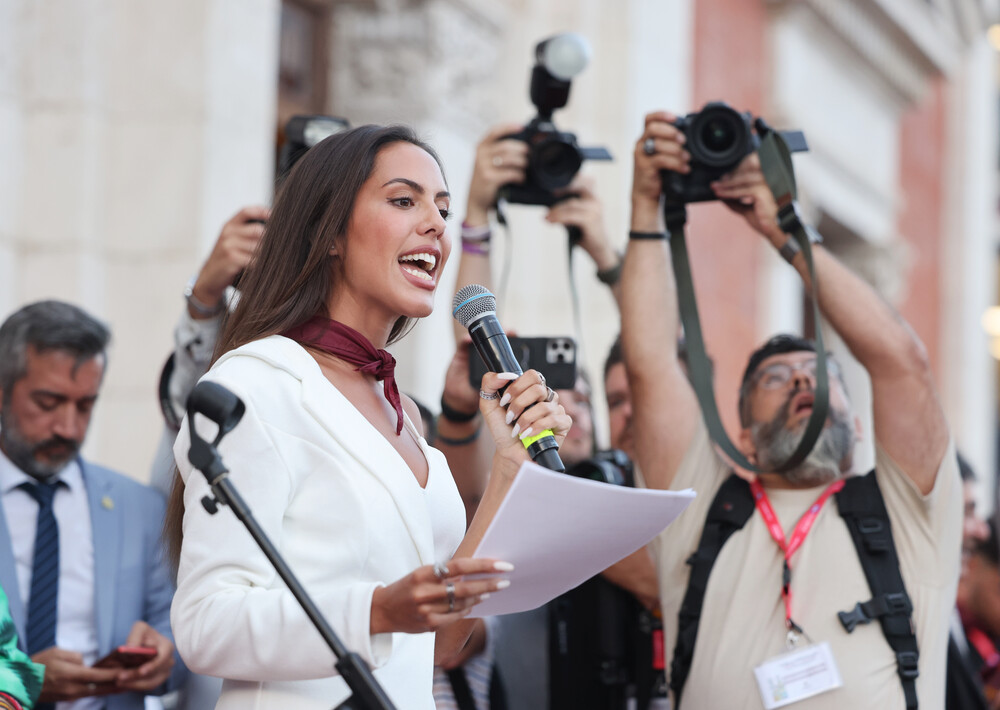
(780, 374)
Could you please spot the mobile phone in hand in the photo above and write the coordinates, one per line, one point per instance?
(127, 657)
(554, 357)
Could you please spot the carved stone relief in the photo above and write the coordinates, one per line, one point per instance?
(417, 61)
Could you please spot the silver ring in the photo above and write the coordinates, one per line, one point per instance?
(649, 146)
(542, 377)
(497, 160)
(552, 394)
(440, 570)
(449, 589)
(483, 394)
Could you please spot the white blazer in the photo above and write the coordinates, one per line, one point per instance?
(348, 515)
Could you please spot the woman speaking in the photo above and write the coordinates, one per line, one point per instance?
(329, 456)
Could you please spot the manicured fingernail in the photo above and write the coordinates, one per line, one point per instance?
(510, 417)
(503, 584)
(503, 566)
(484, 597)
(517, 428)
(507, 375)
(504, 401)
(526, 433)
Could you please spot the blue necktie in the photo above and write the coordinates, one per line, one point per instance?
(44, 593)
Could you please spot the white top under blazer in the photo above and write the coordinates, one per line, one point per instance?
(346, 512)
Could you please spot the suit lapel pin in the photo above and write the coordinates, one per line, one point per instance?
(107, 503)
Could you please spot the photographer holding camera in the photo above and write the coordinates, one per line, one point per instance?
(197, 329)
(770, 604)
(521, 640)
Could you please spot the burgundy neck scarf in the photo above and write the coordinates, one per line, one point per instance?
(350, 345)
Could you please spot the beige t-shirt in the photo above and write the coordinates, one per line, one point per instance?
(743, 618)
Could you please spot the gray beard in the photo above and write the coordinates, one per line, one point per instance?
(775, 444)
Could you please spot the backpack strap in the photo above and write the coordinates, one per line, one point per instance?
(731, 508)
(863, 511)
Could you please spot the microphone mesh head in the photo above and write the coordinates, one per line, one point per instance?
(471, 302)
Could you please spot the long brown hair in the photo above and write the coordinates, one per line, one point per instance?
(291, 275)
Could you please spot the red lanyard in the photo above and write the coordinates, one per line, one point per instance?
(985, 648)
(798, 535)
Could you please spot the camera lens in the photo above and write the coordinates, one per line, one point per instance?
(717, 135)
(555, 162)
(720, 137)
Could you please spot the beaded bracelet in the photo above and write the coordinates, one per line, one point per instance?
(478, 248)
(475, 234)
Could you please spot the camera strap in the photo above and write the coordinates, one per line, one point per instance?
(776, 164)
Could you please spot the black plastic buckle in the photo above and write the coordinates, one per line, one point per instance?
(869, 526)
(850, 619)
(897, 603)
(908, 666)
(789, 218)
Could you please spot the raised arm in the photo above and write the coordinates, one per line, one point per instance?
(908, 419)
(584, 211)
(498, 162)
(665, 411)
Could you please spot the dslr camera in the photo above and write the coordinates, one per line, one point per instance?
(554, 157)
(612, 466)
(718, 137)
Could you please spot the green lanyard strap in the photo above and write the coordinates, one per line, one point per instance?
(776, 164)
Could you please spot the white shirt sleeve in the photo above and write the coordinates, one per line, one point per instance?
(194, 343)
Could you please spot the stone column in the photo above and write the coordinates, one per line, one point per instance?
(131, 131)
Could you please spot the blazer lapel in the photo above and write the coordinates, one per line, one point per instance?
(106, 525)
(353, 432)
(8, 580)
(357, 436)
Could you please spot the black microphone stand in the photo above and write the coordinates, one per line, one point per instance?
(226, 409)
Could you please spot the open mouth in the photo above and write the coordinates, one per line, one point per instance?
(420, 264)
(803, 403)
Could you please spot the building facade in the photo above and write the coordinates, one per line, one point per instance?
(130, 131)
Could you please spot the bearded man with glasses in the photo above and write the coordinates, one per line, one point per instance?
(791, 610)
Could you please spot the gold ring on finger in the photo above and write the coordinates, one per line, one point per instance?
(449, 589)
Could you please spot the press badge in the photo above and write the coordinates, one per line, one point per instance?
(797, 675)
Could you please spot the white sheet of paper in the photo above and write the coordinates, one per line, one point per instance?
(559, 531)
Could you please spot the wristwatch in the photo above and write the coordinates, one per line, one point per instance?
(199, 307)
(791, 246)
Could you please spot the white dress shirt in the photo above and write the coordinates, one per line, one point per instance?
(76, 624)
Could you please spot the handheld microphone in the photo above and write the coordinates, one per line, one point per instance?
(475, 308)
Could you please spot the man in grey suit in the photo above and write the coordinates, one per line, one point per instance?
(81, 559)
